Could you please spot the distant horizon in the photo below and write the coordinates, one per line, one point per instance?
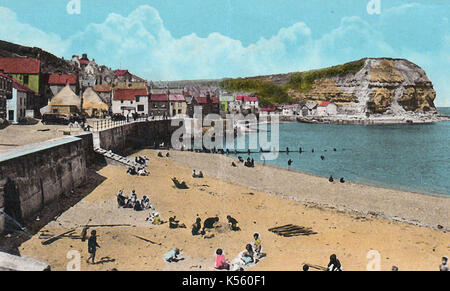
(168, 40)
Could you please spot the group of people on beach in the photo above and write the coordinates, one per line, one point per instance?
(133, 202)
(252, 254)
(210, 223)
(140, 168)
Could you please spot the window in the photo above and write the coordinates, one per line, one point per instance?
(137, 99)
(140, 108)
(121, 101)
(25, 79)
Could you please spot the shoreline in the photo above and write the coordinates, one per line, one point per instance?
(348, 234)
(436, 205)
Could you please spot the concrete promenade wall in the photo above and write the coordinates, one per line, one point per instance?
(122, 139)
(34, 175)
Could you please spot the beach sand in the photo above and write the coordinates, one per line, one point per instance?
(244, 194)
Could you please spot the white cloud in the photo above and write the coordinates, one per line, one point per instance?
(13, 30)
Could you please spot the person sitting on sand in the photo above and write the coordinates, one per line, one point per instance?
(142, 172)
(167, 155)
(248, 254)
(444, 265)
(121, 199)
(233, 164)
(138, 206)
(241, 160)
(173, 256)
(305, 268)
(132, 171)
(145, 203)
(221, 263)
(194, 174)
(394, 268)
(257, 244)
(157, 218)
(173, 223)
(209, 223)
(331, 180)
(160, 154)
(200, 175)
(233, 223)
(179, 185)
(334, 264)
(342, 180)
(197, 226)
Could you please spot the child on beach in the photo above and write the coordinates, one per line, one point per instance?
(196, 227)
(257, 244)
(92, 246)
(221, 263)
(248, 255)
(173, 256)
(334, 264)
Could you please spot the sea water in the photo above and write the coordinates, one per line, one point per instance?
(413, 157)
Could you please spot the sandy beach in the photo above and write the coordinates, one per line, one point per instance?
(259, 198)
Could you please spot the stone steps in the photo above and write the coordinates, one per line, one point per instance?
(116, 157)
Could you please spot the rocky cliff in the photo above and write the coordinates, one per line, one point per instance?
(372, 85)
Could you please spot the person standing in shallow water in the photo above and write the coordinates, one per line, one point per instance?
(92, 246)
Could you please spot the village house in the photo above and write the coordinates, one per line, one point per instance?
(225, 101)
(177, 102)
(5, 93)
(66, 102)
(56, 82)
(105, 93)
(93, 105)
(291, 109)
(266, 111)
(129, 101)
(16, 106)
(27, 72)
(122, 76)
(310, 108)
(208, 105)
(326, 109)
(159, 102)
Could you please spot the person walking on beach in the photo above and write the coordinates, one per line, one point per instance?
(92, 246)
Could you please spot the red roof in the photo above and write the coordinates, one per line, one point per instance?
(206, 100)
(120, 73)
(102, 88)
(20, 65)
(57, 79)
(324, 104)
(129, 94)
(268, 109)
(176, 97)
(159, 97)
(247, 98)
(21, 87)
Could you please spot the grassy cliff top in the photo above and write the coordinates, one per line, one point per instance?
(270, 93)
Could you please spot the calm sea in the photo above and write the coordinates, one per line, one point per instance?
(413, 157)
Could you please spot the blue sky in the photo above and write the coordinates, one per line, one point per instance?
(192, 39)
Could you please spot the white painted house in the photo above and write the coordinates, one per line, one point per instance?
(16, 107)
(128, 101)
(326, 109)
